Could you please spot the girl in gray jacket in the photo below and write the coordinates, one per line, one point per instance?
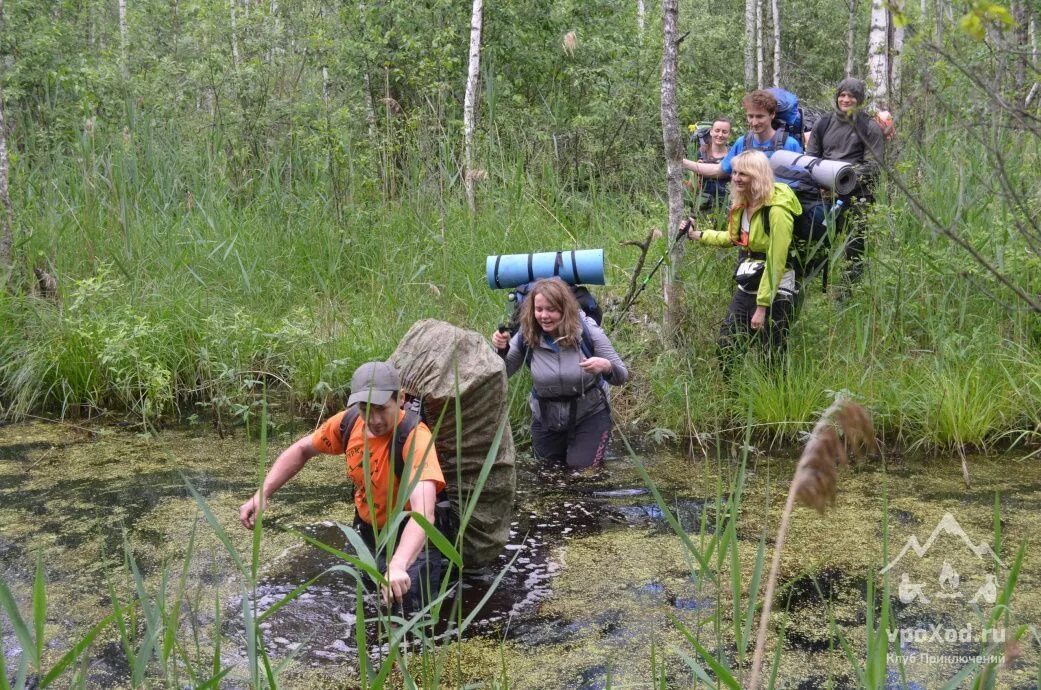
(572, 362)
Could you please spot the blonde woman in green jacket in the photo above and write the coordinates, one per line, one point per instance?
(763, 304)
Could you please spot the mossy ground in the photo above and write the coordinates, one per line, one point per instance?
(69, 492)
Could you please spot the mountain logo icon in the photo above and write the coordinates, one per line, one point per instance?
(947, 525)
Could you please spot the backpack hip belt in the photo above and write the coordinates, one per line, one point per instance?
(567, 398)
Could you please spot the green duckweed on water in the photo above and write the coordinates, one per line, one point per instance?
(602, 580)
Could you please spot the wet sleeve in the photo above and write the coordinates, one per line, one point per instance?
(326, 438)
(423, 463)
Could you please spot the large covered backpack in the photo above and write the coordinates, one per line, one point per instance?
(586, 302)
(439, 363)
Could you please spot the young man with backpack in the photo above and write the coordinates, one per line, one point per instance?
(398, 449)
(849, 134)
(760, 110)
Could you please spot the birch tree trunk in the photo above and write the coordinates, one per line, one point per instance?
(775, 11)
(750, 44)
(896, 49)
(1022, 45)
(6, 216)
(641, 15)
(878, 56)
(469, 100)
(370, 113)
(1032, 38)
(759, 44)
(851, 38)
(673, 141)
(938, 8)
(275, 34)
(124, 37)
(234, 38)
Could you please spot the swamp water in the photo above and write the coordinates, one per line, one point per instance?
(600, 578)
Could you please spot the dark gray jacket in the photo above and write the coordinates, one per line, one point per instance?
(555, 373)
(857, 140)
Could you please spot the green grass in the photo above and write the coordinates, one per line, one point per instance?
(182, 293)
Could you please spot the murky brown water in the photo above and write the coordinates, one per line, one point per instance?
(600, 578)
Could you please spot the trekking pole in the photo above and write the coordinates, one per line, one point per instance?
(503, 328)
(684, 227)
(511, 298)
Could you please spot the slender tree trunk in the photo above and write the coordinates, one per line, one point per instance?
(938, 8)
(673, 140)
(470, 99)
(1020, 14)
(6, 216)
(124, 37)
(851, 38)
(641, 15)
(759, 57)
(234, 38)
(1032, 39)
(896, 50)
(775, 11)
(878, 55)
(370, 113)
(273, 18)
(750, 44)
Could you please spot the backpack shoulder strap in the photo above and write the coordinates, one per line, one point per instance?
(749, 142)
(525, 351)
(780, 138)
(766, 219)
(405, 428)
(822, 127)
(347, 424)
(586, 342)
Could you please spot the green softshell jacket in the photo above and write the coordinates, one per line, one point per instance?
(783, 207)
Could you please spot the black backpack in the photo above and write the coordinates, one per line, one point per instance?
(586, 302)
(812, 233)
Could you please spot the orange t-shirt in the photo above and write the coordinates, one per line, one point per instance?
(421, 459)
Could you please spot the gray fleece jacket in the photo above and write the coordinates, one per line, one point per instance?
(856, 140)
(555, 373)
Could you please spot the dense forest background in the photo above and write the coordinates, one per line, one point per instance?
(222, 196)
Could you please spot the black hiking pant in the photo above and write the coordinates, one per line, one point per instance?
(584, 446)
(853, 223)
(736, 335)
(425, 571)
